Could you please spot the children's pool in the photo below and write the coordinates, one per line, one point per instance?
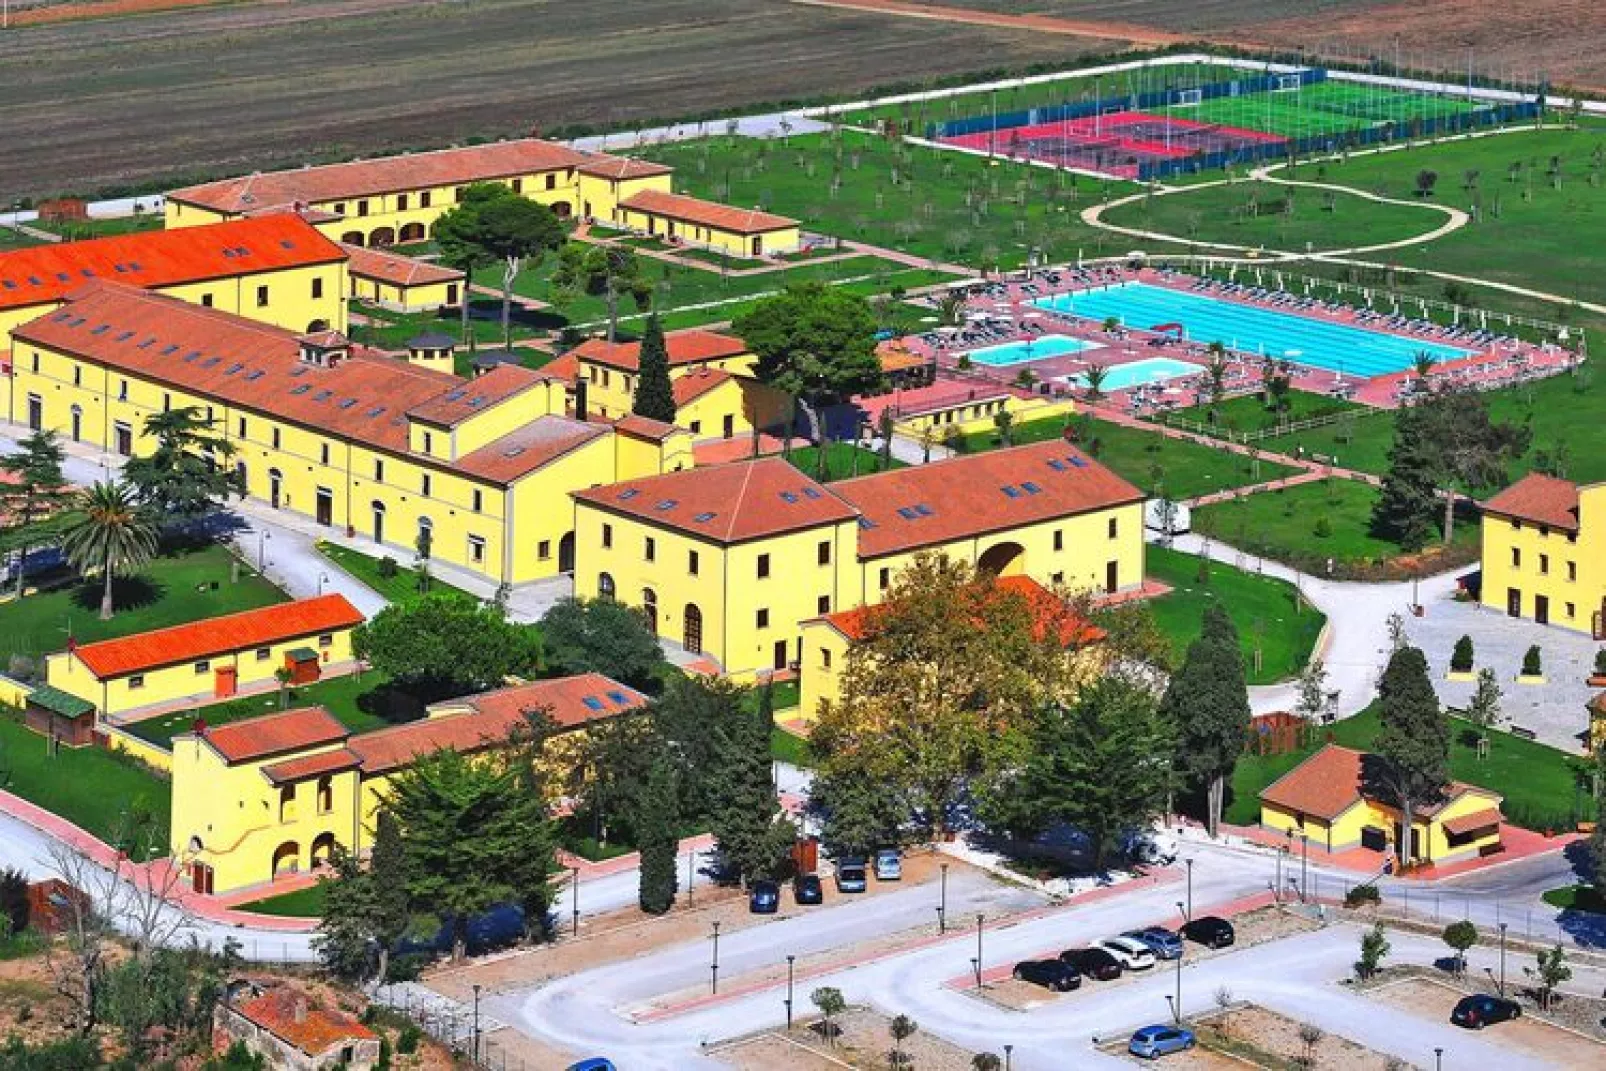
(1031, 349)
(1139, 373)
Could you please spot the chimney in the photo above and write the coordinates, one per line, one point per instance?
(580, 397)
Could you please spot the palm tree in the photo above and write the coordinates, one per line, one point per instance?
(1424, 365)
(1094, 379)
(108, 531)
(950, 309)
(1216, 372)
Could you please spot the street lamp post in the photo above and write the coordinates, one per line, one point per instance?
(789, 962)
(1277, 887)
(1304, 859)
(1502, 959)
(1438, 1059)
(942, 902)
(1190, 889)
(476, 1022)
(979, 918)
(323, 578)
(1178, 1008)
(713, 977)
(1009, 1052)
(574, 898)
(691, 872)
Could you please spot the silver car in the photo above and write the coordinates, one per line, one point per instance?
(888, 866)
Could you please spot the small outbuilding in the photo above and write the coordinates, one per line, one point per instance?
(292, 1030)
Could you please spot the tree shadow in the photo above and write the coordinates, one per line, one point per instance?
(395, 703)
(128, 593)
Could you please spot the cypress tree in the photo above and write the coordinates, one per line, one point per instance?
(1407, 508)
(1208, 703)
(1410, 763)
(655, 824)
(387, 869)
(655, 395)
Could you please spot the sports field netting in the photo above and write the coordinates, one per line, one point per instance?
(1322, 108)
(1117, 143)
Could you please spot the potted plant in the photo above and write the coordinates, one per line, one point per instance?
(1533, 670)
(1597, 679)
(1461, 660)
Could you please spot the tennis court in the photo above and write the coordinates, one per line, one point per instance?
(1116, 143)
(1322, 108)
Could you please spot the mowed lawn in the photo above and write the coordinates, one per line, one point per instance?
(842, 461)
(359, 701)
(401, 587)
(1251, 412)
(1266, 215)
(1536, 781)
(1178, 468)
(185, 584)
(303, 903)
(1268, 613)
(89, 787)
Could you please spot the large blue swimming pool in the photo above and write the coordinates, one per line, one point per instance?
(1353, 351)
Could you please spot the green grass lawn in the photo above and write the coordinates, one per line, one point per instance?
(790, 748)
(359, 701)
(1266, 215)
(77, 230)
(174, 589)
(1321, 108)
(390, 330)
(1250, 412)
(14, 239)
(402, 587)
(90, 787)
(303, 903)
(1268, 613)
(892, 314)
(1576, 898)
(1538, 782)
(943, 205)
(1180, 469)
(1307, 524)
(842, 460)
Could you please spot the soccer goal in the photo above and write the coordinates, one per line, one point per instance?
(1189, 98)
(1284, 83)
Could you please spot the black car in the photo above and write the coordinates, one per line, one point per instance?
(806, 889)
(1053, 974)
(1479, 1011)
(1093, 962)
(1210, 931)
(764, 898)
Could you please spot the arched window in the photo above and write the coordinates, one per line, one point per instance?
(693, 639)
(286, 858)
(425, 541)
(605, 588)
(649, 608)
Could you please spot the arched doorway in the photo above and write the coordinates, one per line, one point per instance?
(605, 586)
(1003, 559)
(649, 608)
(286, 859)
(382, 236)
(424, 542)
(352, 238)
(77, 422)
(562, 209)
(317, 325)
(323, 845)
(275, 485)
(379, 521)
(566, 553)
(692, 639)
(412, 232)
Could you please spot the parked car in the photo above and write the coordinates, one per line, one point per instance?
(1133, 954)
(1153, 1042)
(1053, 974)
(764, 898)
(1164, 943)
(1093, 962)
(888, 866)
(1477, 1012)
(806, 889)
(595, 1063)
(1210, 931)
(851, 876)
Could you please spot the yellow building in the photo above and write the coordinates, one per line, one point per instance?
(680, 219)
(402, 284)
(398, 198)
(716, 396)
(209, 659)
(1544, 553)
(730, 560)
(270, 796)
(1324, 800)
(374, 446)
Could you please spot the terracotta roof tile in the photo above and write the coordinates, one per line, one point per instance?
(300, 769)
(395, 269)
(1538, 498)
(693, 385)
(531, 447)
(926, 505)
(726, 503)
(623, 167)
(1325, 785)
(695, 210)
(565, 367)
(1469, 823)
(388, 174)
(492, 716)
(274, 734)
(48, 273)
(640, 427)
(472, 397)
(288, 1014)
(218, 635)
(1050, 609)
(684, 347)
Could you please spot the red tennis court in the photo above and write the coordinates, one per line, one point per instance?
(1117, 143)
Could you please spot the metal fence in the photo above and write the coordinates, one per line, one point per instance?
(470, 1034)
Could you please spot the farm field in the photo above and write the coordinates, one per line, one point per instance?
(164, 99)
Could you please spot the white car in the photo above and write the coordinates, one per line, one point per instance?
(1133, 954)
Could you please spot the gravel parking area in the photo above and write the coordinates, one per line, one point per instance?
(862, 1041)
(1259, 1037)
(1429, 998)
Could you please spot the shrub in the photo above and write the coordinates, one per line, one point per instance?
(1361, 895)
(388, 567)
(1461, 657)
(21, 668)
(1600, 662)
(407, 1041)
(1532, 666)
(1323, 528)
(407, 968)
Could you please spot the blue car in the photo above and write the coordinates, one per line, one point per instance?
(596, 1063)
(1164, 943)
(764, 898)
(1153, 1042)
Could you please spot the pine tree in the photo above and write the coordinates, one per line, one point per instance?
(655, 394)
(1411, 755)
(1208, 703)
(37, 499)
(387, 868)
(1407, 506)
(747, 824)
(658, 811)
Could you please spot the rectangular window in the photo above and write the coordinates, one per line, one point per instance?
(649, 549)
(543, 549)
(77, 376)
(763, 566)
(822, 605)
(1059, 539)
(323, 453)
(264, 653)
(822, 553)
(825, 658)
(379, 468)
(326, 639)
(1544, 530)
(1516, 526)
(167, 402)
(202, 666)
(262, 297)
(691, 562)
(275, 438)
(552, 182)
(518, 185)
(429, 443)
(607, 535)
(423, 199)
(362, 207)
(1544, 565)
(206, 301)
(1057, 579)
(317, 289)
(477, 499)
(424, 484)
(1516, 557)
(1572, 570)
(884, 579)
(242, 427)
(1571, 611)
(763, 618)
(137, 681)
(476, 550)
(459, 194)
(340, 208)
(1115, 527)
(122, 391)
(401, 202)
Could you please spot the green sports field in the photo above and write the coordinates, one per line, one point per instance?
(1322, 108)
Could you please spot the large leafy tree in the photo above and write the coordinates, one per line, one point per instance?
(35, 499)
(813, 342)
(460, 235)
(1410, 761)
(189, 474)
(693, 719)
(611, 272)
(1100, 764)
(601, 636)
(655, 394)
(518, 232)
(473, 834)
(858, 814)
(445, 646)
(107, 530)
(1474, 451)
(1207, 701)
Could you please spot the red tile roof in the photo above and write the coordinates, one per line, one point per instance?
(623, 167)
(48, 273)
(679, 206)
(1331, 781)
(469, 398)
(218, 635)
(640, 427)
(693, 385)
(492, 716)
(529, 448)
(726, 503)
(288, 1014)
(927, 505)
(684, 347)
(1538, 498)
(395, 269)
(1051, 612)
(241, 363)
(565, 367)
(1470, 823)
(300, 769)
(275, 734)
(388, 174)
